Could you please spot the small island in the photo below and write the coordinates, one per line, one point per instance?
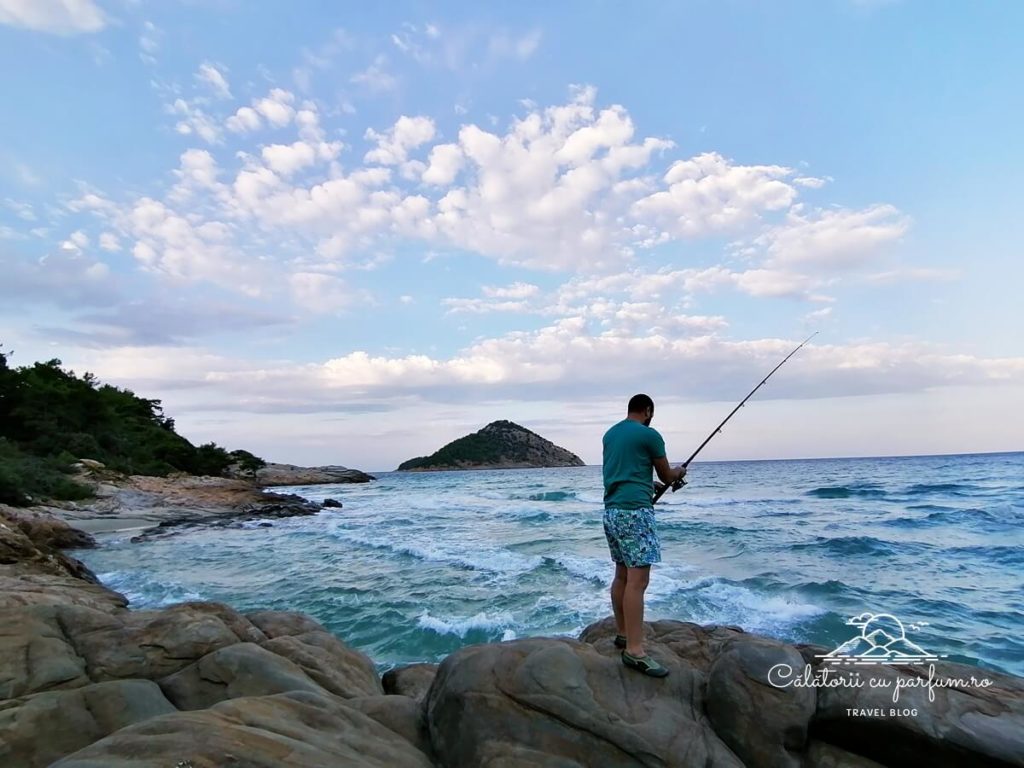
(500, 445)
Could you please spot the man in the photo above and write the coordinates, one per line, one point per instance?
(631, 450)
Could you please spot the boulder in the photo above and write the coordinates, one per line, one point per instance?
(35, 654)
(413, 680)
(18, 548)
(491, 704)
(401, 714)
(821, 754)
(328, 661)
(284, 623)
(242, 669)
(25, 584)
(333, 665)
(45, 530)
(766, 726)
(331, 504)
(155, 644)
(42, 728)
(961, 727)
(289, 474)
(291, 730)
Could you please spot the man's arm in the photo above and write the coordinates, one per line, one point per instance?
(666, 473)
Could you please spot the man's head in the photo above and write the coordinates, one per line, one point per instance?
(640, 408)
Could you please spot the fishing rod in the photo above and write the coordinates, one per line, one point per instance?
(718, 429)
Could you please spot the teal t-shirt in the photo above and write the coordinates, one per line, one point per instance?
(630, 449)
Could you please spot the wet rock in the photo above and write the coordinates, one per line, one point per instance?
(243, 669)
(564, 699)
(291, 730)
(39, 729)
(413, 680)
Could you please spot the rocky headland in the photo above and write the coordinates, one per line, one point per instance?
(87, 682)
(499, 445)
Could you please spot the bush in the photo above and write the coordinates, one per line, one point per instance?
(25, 478)
(50, 418)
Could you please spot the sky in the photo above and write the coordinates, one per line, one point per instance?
(333, 233)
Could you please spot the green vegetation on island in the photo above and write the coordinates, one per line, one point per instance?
(50, 418)
(499, 445)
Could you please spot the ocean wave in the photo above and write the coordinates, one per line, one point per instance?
(993, 518)
(850, 545)
(918, 489)
(145, 591)
(549, 496)
(718, 601)
(463, 554)
(460, 627)
(846, 492)
(989, 553)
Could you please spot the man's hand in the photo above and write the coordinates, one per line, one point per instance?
(679, 481)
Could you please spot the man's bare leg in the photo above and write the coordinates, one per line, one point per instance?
(633, 608)
(618, 588)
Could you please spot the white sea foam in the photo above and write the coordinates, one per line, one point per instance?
(453, 551)
(143, 591)
(462, 626)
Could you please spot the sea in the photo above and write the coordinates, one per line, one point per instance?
(416, 565)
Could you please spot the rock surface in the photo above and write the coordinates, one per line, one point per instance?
(87, 683)
(289, 474)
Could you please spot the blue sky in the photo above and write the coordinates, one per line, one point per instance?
(340, 237)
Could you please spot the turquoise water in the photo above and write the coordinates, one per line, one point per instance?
(417, 565)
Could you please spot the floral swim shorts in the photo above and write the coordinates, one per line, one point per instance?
(632, 536)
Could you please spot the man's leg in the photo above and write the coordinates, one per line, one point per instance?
(633, 608)
(618, 589)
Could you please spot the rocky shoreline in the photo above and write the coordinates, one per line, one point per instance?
(87, 682)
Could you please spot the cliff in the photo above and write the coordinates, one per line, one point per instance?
(499, 445)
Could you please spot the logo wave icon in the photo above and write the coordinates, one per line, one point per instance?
(882, 640)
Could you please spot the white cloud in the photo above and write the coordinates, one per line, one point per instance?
(444, 164)
(195, 121)
(832, 239)
(708, 193)
(286, 159)
(320, 292)
(817, 315)
(567, 358)
(76, 242)
(393, 146)
(276, 107)
(23, 211)
(548, 192)
(523, 47)
(61, 17)
(811, 182)
(246, 119)
(375, 77)
(211, 76)
(110, 242)
(149, 43)
(514, 291)
(914, 274)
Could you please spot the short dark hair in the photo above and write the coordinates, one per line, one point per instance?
(639, 404)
